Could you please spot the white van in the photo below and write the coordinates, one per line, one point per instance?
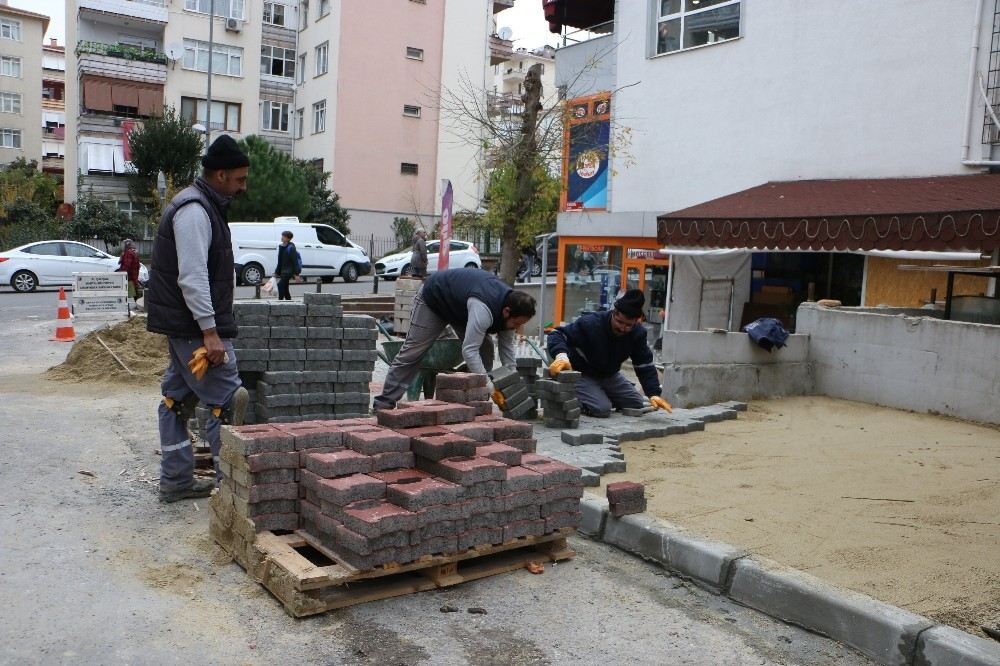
(326, 253)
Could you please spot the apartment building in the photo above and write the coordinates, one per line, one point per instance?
(370, 79)
(21, 34)
(53, 107)
(508, 79)
(796, 127)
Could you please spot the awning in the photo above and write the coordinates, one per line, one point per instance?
(945, 213)
(577, 13)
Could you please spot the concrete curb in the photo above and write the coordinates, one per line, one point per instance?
(885, 633)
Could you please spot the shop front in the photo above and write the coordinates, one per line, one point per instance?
(593, 270)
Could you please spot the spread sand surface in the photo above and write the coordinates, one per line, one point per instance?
(903, 507)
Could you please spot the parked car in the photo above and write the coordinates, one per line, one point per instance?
(460, 255)
(326, 253)
(552, 262)
(52, 263)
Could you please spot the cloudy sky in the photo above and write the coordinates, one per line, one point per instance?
(525, 19)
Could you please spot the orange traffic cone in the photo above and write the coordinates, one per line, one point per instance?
(64, 324)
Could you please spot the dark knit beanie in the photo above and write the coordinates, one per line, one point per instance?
(224, 154)
(631, 303)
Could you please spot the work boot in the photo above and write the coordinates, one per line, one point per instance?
(241, 398)
(200, 488)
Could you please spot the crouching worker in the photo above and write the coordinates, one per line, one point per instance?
(596, 345)
(190, 300)
(476, 304)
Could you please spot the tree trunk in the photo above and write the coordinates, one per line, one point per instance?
(525, 159)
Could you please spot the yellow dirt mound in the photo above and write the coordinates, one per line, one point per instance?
(144, 353)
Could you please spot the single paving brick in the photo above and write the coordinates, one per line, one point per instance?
(405, 417)
(465, 470)
(373, 518)
(401, 475)
(450, 513)
(439, 447)
(507, 455)
(520, 479)
(627, 507)
(362, 545)
(460, 381)
(254, 439)
(558, 521)
(523, 528)
(378, 441)
(625, 491)
(504, 429)
(481, 432)
(483, 489)
(423, 493)
(347, 489)
(393, 460)
(340, 463)
(523, 444)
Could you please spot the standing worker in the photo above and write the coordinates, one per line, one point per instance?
(597, 344)
(418, 257)
(190, 300)
(476, 304)
(288, 265)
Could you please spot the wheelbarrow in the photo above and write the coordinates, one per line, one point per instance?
(443, 355)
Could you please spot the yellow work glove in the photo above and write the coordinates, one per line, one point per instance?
(660, 403)
(198, 364)
(499, 399)
(561, 363)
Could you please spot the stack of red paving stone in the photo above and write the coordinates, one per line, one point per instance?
(427, 478)
(625, 498)
(465, 388)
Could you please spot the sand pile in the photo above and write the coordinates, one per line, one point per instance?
(143, 352)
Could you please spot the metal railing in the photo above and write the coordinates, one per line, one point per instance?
(587, 34)
(121, 51)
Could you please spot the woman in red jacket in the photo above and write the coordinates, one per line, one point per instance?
(128, 263)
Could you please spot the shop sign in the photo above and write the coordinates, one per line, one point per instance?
(591, 248)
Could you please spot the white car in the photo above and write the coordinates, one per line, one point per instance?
(48, 263)
(460, 255)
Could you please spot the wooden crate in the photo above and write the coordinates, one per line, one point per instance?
(308, 579)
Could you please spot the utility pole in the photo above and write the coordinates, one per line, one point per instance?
(211, 58)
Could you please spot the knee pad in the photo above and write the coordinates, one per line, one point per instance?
(233, 413)
(183, 409)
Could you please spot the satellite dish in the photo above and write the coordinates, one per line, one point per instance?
(506, 34)
(175, 51)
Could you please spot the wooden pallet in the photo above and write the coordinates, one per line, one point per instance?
(308, 579)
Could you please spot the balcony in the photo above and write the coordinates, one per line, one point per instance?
(147, 10)
(500, 5)
(504, 104)
(501, 50)
(122, 62)
(513, 74)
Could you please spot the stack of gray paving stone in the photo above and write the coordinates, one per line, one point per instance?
(518, 402)
(406, 290)
(560, 406)
(527, 367)
(304, 361)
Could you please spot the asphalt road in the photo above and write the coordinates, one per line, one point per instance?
(94, 570)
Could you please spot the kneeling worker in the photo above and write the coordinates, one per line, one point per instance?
(597, 344)
(475, 303)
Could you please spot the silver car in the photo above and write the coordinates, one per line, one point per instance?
(53, 263)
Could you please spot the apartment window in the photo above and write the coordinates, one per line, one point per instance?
(685, 24)
(324, 8)
(277, 61)
(274, 116)
(274, 13)
(10, 102)
(10, 138)
(226, 60)
(10, 66)
(300, 123)
(319, 116)
(411, 111)
(10, 29)
(322, 58)
(225, 115)
(408, 168)
(223, 8)
(301, 71)
(303, 14)
(414, 53)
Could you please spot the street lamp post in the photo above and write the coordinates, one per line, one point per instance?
(211, 58)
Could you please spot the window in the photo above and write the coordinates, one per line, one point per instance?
(225, 115)
(10, 138)
(10, 102)
(10, 66)
(301, 71)
(274, 13)
(414, 53)
(329, 236)
(10, 29)
(324, 8)
(81, 250)
(303, 14)
(319, 116)
(300, 123)
(277, 61)
(226, 60)
(45, 249)
(408, 168)
(223, 8)
(274, 116)
(322, 58)
(411, 111)
(685, 24)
